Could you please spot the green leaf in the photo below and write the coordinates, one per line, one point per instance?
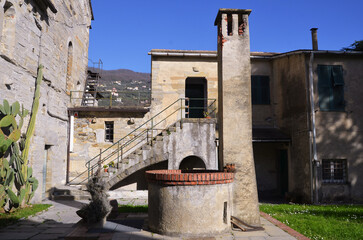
(15, 108)
(6, 107)
(35, 185)
(13, 198)
(31, 179)
(2, 202)
(5, 164)
(29, 172)
(21, 195)
(21, 121)
(15, 135)
(7, 121)
(2, 109)
(9, 178)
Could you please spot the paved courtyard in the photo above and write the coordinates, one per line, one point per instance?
(61, 221)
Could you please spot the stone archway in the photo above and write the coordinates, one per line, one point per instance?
(192, 162)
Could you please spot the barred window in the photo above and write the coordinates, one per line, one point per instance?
(334, 170)
(109, 131)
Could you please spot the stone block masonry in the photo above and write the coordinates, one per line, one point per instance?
(33, 34)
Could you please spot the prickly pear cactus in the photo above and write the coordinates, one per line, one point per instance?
(17, 184)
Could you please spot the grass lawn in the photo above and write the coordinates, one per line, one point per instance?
(132, 208)
(11, 218)
(320, 222)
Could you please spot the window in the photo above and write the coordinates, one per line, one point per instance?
(260, 89)
(334, 170)
(108, 131)
(331, 87)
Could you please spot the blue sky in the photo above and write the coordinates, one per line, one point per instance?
(124, 31)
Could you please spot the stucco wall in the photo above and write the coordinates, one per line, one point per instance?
(291, 109)
(340, 134)
(170, 73)
(263, 115)
(42, 38)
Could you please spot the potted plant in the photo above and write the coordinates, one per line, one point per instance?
(111, 164)
(105, 167)
(206, 115)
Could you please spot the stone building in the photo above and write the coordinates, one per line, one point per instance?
(306, 133)
(56, 35)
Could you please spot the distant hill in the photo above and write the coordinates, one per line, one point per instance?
(124, 75)
(133, 87)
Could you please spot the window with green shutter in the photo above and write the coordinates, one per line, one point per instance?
(331, 88)
(260, 89)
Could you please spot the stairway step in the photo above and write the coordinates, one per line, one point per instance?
(172, 129)
(159, 138)
(146, 147)
(63, 197)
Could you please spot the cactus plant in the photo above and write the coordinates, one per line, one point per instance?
(15, 173)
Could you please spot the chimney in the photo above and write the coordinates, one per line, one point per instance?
(314, 38)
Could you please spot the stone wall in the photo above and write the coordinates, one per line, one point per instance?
(89, 135)
(31, 36)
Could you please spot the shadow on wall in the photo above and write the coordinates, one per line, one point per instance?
(139, 178)
(340, 141)
(192, 162)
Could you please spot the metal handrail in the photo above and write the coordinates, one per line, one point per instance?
(113, 96)
(124, 145)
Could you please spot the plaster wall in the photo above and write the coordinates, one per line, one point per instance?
(291, 109)
(168, 80)
(263, 115)
(200, 207)
(340, 133)
(37, 37)
(235, 111)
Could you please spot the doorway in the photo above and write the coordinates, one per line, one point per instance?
(47, 174)
(196, 91)
(283, 169)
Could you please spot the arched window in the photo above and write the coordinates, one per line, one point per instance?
(192, 162)
(69, 83)
(8, 30)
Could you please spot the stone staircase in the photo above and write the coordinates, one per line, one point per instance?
(186, 137)
(70, 193)
(90, 90)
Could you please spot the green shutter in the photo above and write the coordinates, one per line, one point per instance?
(337, 73)
(330, 87)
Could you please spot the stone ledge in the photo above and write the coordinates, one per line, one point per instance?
(185, 177)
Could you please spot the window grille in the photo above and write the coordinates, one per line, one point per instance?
(334, 170)
(108, 131)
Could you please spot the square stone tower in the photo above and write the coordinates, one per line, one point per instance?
(235, 110)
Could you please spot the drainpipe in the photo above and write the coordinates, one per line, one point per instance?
(314, 158)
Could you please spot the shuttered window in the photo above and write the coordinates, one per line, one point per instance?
(260, 89)
(331, 87)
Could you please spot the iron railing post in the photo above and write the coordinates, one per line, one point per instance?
(118, 153)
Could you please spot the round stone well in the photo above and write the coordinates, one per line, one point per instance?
(189, 202)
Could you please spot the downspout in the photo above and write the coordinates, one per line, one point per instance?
(314, 158)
